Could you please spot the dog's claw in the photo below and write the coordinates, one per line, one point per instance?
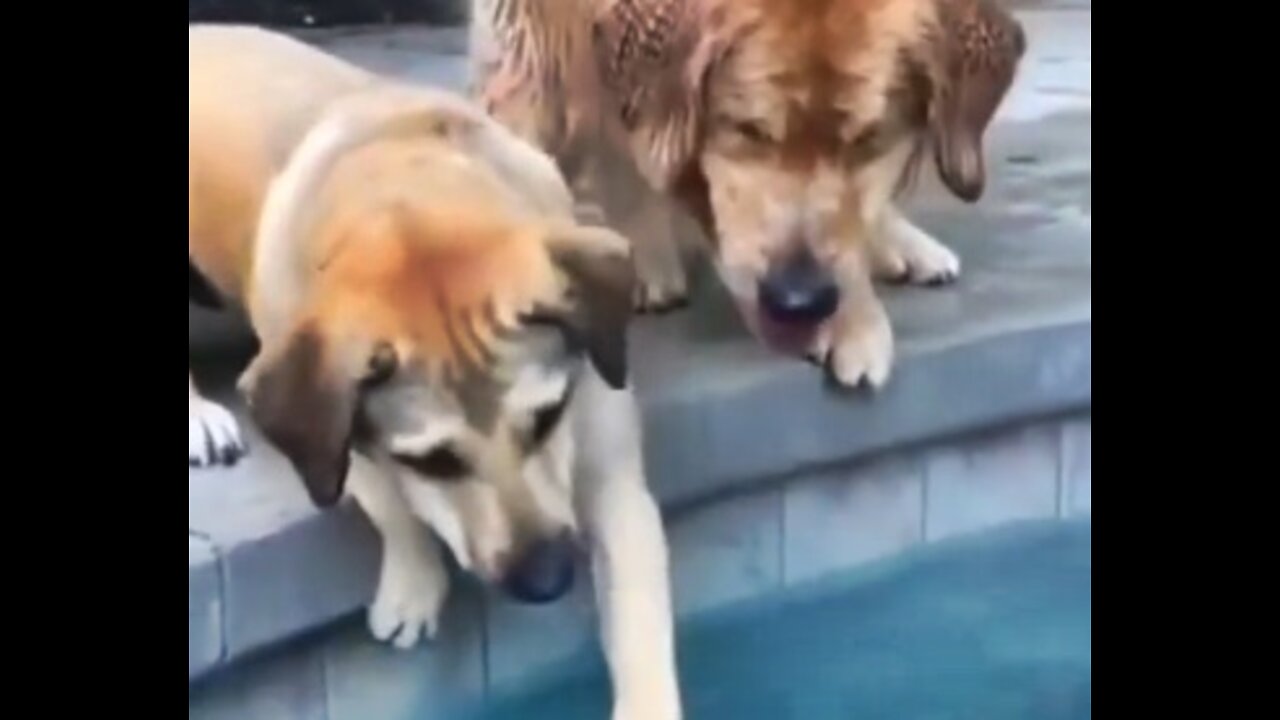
(231, 455)
(906, 255)
(941, 279)
(410, 595)
(856, 356)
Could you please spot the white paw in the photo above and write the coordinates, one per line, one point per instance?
(648, 690)
(905, 253)
(648, 709)
(857, 351)
(213, 434)
(407, 605)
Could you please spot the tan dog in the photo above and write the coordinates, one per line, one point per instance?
(438, 335)
(785, 127)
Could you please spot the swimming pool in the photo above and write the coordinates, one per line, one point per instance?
(995, 626)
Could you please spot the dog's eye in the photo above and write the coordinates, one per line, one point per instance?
(755, 132)
(442, 463)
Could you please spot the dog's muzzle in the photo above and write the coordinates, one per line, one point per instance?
(544, 572)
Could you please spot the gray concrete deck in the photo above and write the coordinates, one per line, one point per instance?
(1009, 344)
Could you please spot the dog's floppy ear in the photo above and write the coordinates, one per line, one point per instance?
(199, 290)
(597, 311)
(974, 55)
(653, 57)
(304, 399)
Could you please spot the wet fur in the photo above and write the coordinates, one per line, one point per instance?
(417, 281)
(772, 122)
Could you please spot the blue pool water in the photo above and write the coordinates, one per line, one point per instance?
(991, 627)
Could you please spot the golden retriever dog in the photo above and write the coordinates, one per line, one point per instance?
(785, 128)
(438, 335)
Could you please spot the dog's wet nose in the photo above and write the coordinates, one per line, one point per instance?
(799, 291)
(543, 573)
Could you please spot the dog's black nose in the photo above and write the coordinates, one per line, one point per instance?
(799, 291)
(544, 573)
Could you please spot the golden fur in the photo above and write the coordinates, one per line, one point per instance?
(775, 123)
(395, 219)
(439, 337)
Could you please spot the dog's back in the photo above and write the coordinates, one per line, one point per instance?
(252, 96)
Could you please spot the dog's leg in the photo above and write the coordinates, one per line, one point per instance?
(648, 220)
(902, 252)
(413, 583)
(661, 277)
(629, 555)
(857, 345)
(213, 435)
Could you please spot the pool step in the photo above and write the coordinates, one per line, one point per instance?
(789, 531)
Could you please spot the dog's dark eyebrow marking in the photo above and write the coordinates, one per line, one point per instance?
(547, 418)
(441, 462)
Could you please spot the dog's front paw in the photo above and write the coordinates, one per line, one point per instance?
(213, 434)
(662, 284)
(858, 349)
(650, 691)
(411, 592)
(662, 281)
(905, 253)
(646, 709)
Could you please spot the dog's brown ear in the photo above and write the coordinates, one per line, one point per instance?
(653, 57)
(975, 54)
(597, 311)
(304, 400)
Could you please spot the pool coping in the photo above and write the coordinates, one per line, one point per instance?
(266, 567)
